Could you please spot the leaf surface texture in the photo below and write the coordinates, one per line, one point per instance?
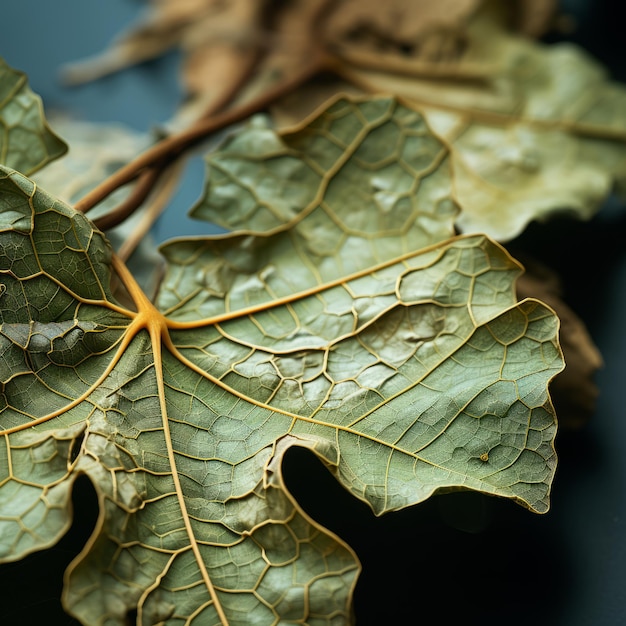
(341, 315)
(26, 141)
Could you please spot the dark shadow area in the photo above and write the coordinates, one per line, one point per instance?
(598, 27)
(31, 588)
(131, 617)
(459, 558)
(582, 253)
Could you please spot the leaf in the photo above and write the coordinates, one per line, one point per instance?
(533, 129)
(26, 141)
(426, 33)
(97, 150)
(546, 133)
(342, 317)
(235, 51)
(423, 31)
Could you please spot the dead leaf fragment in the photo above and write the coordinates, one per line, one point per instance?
(237, 46)
(431, 31)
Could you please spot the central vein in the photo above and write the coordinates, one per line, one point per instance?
(154, 322)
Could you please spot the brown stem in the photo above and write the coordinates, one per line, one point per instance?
(148, 178)
(168, 149)
(146, 181)
(168, 183)
(398, 65)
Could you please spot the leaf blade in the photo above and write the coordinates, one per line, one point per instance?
(389, 365)
(26, 141)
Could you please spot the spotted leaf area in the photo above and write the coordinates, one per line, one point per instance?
(341, 315)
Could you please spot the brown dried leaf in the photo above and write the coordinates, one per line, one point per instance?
(285, 42)
(432, 31)
(235, 49)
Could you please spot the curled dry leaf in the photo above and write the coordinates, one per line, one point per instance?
(419, 30)
(342, 316)
(287, 41)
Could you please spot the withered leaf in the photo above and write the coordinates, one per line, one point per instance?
(533, 129)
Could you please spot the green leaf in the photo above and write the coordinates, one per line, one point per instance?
(26, 141)
(97, 151)
(342, 317)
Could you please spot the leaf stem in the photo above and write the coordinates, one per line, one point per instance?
(150, 163)
(146, 180)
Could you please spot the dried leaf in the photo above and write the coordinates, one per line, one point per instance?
(237, 48)
(341, 317)
(547, 133)
(423, 30)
